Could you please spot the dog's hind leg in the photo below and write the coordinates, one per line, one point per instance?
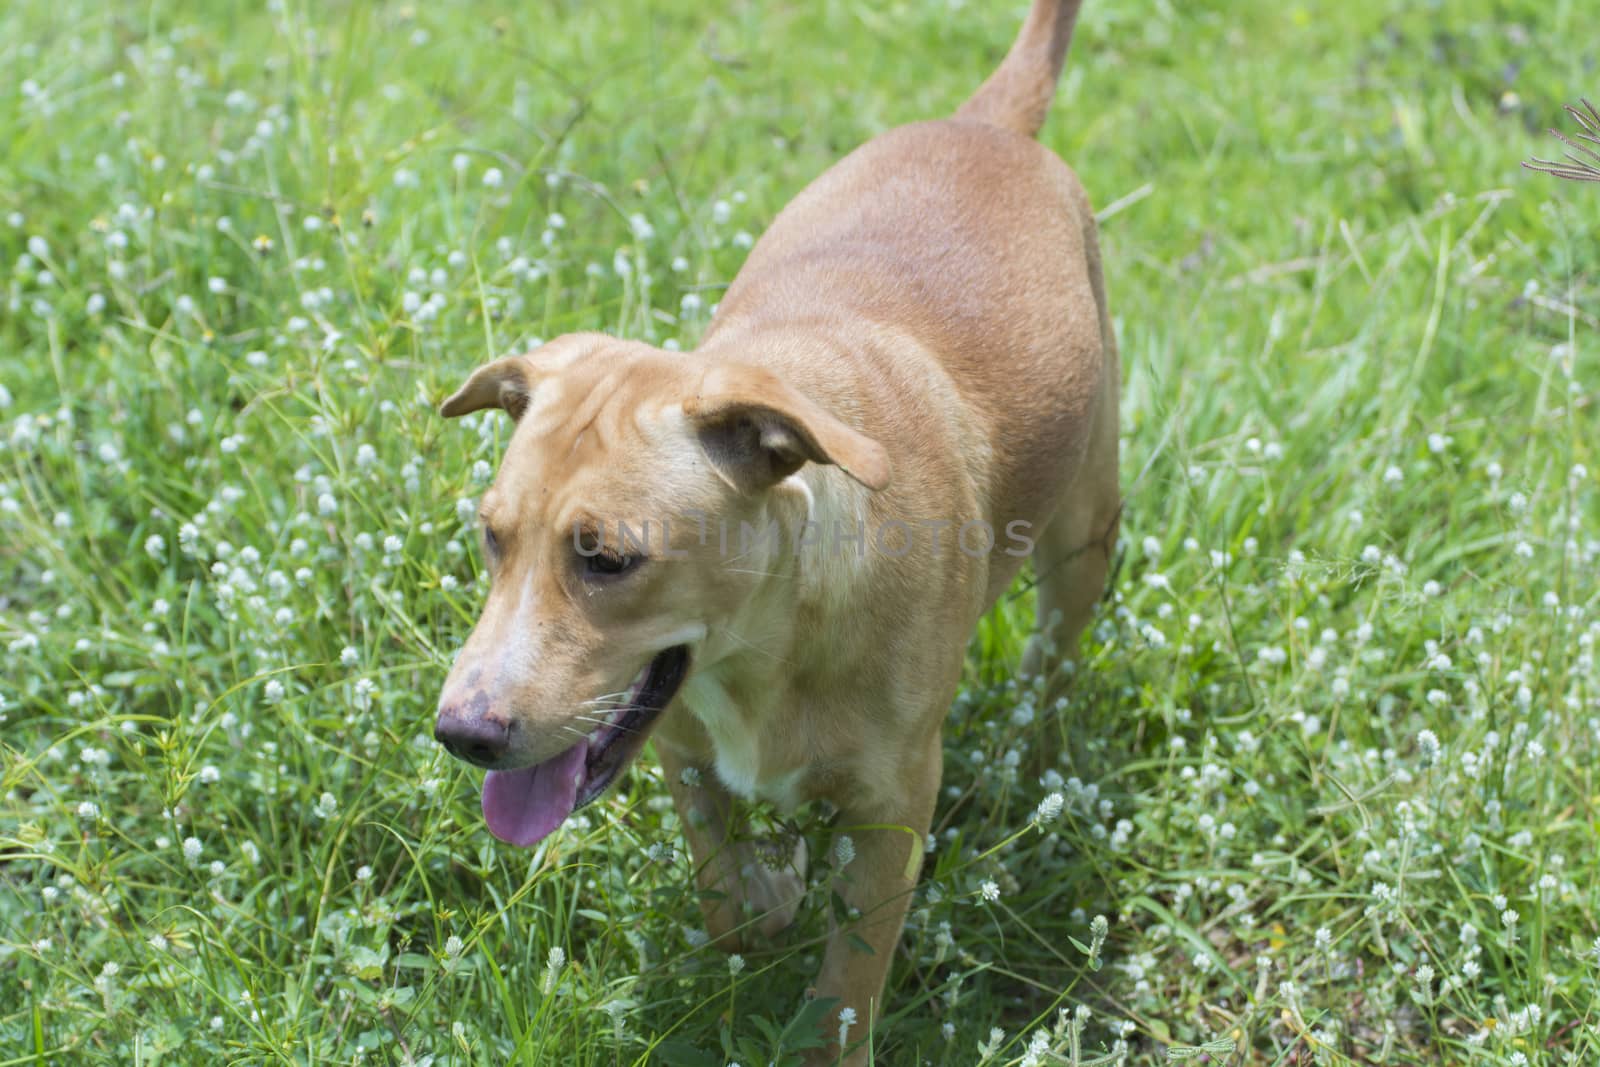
(1071, 562)
(1072, 555)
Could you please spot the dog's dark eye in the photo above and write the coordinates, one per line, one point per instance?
(609, 564)
(491, 543)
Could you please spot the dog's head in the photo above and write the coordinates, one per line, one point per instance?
(604, 538)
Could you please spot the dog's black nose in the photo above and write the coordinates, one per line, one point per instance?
(476, 739)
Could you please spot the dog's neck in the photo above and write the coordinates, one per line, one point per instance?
(827, 529)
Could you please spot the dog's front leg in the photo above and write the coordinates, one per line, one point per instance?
(887, 836)
(750, 890)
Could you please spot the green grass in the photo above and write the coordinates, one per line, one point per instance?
(1339, 721)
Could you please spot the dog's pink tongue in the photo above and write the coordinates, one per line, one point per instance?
(523, 807)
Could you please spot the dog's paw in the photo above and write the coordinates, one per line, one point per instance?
(761, 893)
(774, 885)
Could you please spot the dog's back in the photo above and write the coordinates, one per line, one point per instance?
(953, 267)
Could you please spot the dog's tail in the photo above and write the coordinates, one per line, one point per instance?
(1019, 92)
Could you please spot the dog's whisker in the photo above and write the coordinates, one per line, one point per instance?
(616, 726)
(751, 645)
(604, 709)
(763, 574)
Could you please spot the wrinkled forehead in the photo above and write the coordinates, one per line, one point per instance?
(604, 437)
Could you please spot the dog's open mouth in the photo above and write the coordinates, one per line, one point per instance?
(524, 806)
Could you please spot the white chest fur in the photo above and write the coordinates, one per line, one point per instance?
(736, 741)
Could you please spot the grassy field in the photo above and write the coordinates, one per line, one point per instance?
(1330, 768)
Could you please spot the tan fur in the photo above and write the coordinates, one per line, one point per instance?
(922, 334)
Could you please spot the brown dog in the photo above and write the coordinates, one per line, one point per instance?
(768, 555)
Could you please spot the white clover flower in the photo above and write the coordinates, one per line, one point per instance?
(735, 964)
(155, 545)
(990, 890)
(552, 969)
(453, 947)
(348, 656)
(1428, 746)
(1049, 808)
(997, 1037)
(493, 178)
(847, 1019)
(273, 691)
(191, 851)
(1038, 1048)
(88, 810)
(844, 850)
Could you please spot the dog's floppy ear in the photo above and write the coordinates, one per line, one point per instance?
(757, 430)
(505, 383)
